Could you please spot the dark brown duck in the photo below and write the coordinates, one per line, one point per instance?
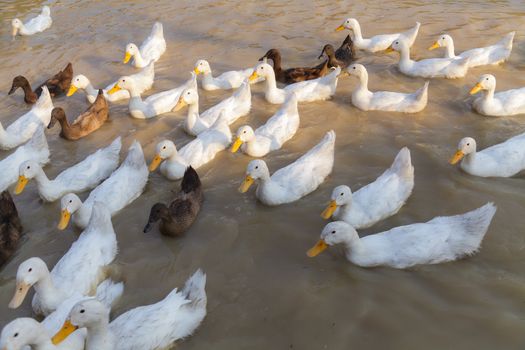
(86, 123)
(342, 57)
(182, 212)
(294, 75)
(57, 85)
(10, 227)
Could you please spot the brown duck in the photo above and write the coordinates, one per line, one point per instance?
(10, 227)
(86, 123)
(183, 211)
(294, 75)
(57, 85)
(342, 57)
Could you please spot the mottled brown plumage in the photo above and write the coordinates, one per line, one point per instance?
(10, 227)
(183, 211)
(57, 85)
(86, 123)
(342, 57)
(294, 75)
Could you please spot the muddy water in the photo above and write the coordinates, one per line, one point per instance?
(263, 291)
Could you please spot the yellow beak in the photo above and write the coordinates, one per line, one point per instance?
(317, 249)
(15, 31)
(126, 58)
(253, 77)
(155, 163)
(114, 89)
(72, 90)
(180, 104)
(22, 182)
(64, 332)
(65, 216)
(434, 46)
(389, 49)
(245, 186)
(340, 28)
(477, 88)
(329, 211)
(20, 294)
(236, 144)
(456, 157)
(196, 70)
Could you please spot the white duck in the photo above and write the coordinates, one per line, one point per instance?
(442, 239)
(72, 276)
(377, 200)
(35, 25)
(143, 82)
(36, 150)
(81, 177)
(494, 54)
(377, 42)
(123, 186)
(154, 105)
(367, 100)
(227, 80)
(502, 160)
(294, 181)
(503, 103)
(150, 50)
(196, 153)
(271, 136)
(307, 91)
(24, 127)
(234, 107)
(449, 68)
(152, 327)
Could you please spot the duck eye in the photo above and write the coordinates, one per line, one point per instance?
(342, 194)
(257, 167)
(188, 93)
(244, 132)
(486, 78)
(30, 269)
(123, 80)
(28, 167)
(163, 147)
(82, 311)
(15, 335)
(353, 68)
(70, 201)
(333, 232)
(468, 144)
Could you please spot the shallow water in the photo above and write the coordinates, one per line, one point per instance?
(263, 292)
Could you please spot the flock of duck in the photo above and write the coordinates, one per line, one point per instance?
(77, 294)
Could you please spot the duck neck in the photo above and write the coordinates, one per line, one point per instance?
(193, 115)
(404, 56)
(175, 157)
(357, 36)
(99, 336)
(488, 95)
(138, 60)
(276, 62)
(42, 181)
(47, 291)
(207, 78)
(449, 50)
(363, 82)
(64, 124)
(271, 84)
(90, 90)
(29, 95)
(41, 340)
(354, 249)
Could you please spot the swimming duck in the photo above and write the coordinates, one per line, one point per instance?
(150, 50)
(154, 105)
(367, 100)
(81, 177)
(442, 239)
(152, 327)
(196, 153)
(57, 85)
(271, 136)
(234, 107)
(502, 160)
(500, 104)
(494, 54)
(227, 80)
(182, 212)
(35, 25)
(449, 68)
(36, 149)
(86, 123)
(71, 276)
(143, 82)
(341, 57)
(24, 127)
(297, 179)
(307, 91)
(377, 200)
(123, 186)
(10, 227)
(293, 75)
(377, 42)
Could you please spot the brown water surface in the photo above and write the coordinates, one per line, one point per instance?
(263, 292)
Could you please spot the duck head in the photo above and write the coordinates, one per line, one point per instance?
(466, 146)
(256, 169)
(20, 333)
(341, 195)
(202, 66)
(78, 82)
(261, 70)
(189, 96)
(69, 204)
(27, 170)
(163, 150)
(443, 41)
(28, 274)
(485, 82)
(131, 50)
(244, 134)
(334, 233)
